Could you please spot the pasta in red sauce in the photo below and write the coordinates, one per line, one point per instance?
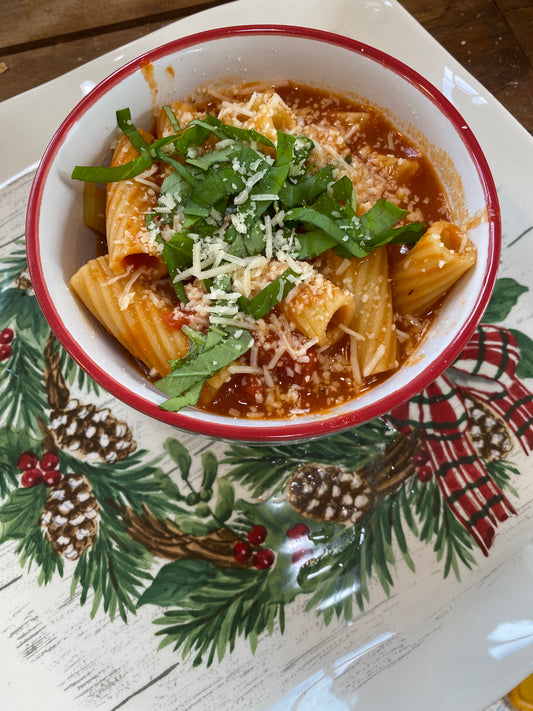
(346, 323)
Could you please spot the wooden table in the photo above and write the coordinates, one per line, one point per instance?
(493, 39)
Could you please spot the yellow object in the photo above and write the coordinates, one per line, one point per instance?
(522, 695)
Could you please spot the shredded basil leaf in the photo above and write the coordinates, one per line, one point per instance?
(263, 302)
(127, 127)
(221, 347)
(98, 174)
(172, 118)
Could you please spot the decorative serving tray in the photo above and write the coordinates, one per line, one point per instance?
(388, 566)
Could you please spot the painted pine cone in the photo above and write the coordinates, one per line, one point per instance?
(329, 493)
(23, 282)
(94, 434)
(488, 433)
(70, 516)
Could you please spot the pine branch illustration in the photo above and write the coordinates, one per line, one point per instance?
(14, 263)
(21, 389)
(366, 550)
(216, 607)
(74, 375)
(34, 549)
(115, 569)
(452, 542)
(19, 521)
(134, 482)
(265, 468)
(164, 539)
(501, 472)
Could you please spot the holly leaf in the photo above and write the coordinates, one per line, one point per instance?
(179, 453)
(292, 554)
(22, 309)
(504, 297)
(20, 513)
(225, 500)
(176, 581)
(168, 487)
(209, 469)
(215, 607)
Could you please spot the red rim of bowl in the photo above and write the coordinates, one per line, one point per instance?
(281, 430)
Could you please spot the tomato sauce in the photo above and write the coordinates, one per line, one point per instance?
(325, 380)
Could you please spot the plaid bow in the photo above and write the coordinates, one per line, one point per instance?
(489, 362)
(491, 357)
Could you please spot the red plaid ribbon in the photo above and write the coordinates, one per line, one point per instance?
(491, 358)
(489, 362)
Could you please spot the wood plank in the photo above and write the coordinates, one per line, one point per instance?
(27, 21)
(27, 69)
(519, 16)
(480, 35)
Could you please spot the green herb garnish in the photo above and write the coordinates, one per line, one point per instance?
(221, 347)
(234, 199)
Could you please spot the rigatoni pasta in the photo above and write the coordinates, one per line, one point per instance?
(367, 279)
(318, 309)
(137, 314)
(269, 250)
(128, 201)
(422, 276)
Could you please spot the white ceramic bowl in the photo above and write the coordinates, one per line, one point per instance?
(58, 243)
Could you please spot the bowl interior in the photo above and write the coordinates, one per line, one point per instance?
(58, 243)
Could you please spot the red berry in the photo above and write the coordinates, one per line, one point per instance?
(257, 535)
(302, 554)
(264, 559)
(31, 477)
(52, 478)
(424, 473)
(7, 335)
(5, 351)
(27, 460)
(299, 531)
(242, 551)
(49, 461)
(421, 456)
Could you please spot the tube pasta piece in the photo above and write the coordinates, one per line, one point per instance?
(425, 274)
(94, 200)
(213, 385)
(317, 308)
(367, 279)
(266, 112)
(128, 201)
(184, 112)
(391, 167)
(134, 312)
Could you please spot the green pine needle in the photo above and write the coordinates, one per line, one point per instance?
(21, 390)
(115, 569)
(229, 604)
(266, 468)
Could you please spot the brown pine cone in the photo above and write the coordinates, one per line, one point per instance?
(487, 431)
(87, 432)
(70, 516)
(23, 282)
(328, 493)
